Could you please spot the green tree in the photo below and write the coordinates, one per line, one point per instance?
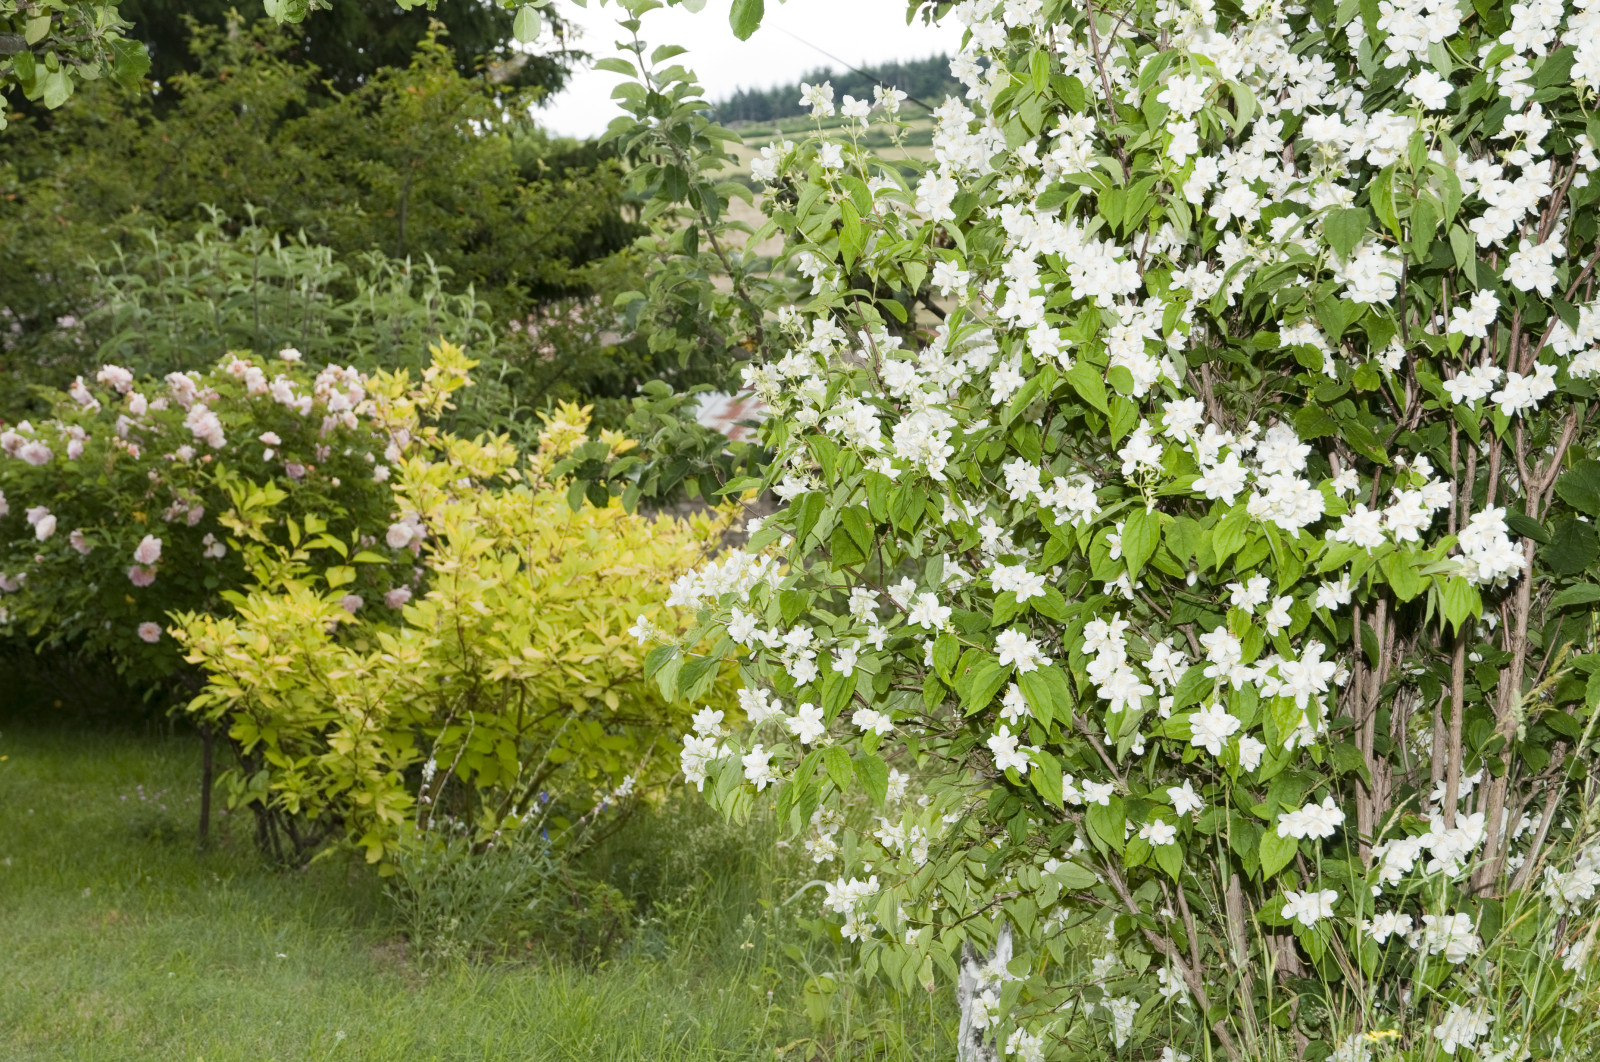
(355, 40)
(419, 162)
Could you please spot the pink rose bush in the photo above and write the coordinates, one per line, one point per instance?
(149, 474)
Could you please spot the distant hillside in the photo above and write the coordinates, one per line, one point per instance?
(925, 79)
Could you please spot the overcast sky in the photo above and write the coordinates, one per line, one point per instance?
(860, 32)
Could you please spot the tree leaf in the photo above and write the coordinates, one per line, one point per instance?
(527, 25)
(745, 17)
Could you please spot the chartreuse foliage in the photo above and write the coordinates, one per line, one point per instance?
(508, 692)
(1190, 492)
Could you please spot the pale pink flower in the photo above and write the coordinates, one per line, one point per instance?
(150, 632)
(35, 452)
(148, 551)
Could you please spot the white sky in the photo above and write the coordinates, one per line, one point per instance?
(861, 32)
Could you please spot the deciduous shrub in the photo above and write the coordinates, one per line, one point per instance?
(1191, 484)
(116, 508)
(505, 690)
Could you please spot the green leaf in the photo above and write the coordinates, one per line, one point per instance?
(836, 761)
(852, 234)
(1573, 547)
(981, 681)
(1579, 487)
(837, 690)
(877, 485)
(946, 652)
(844, 550)
(1106, 823)
(873, 775)
(1169, 857)
(1192, 688)
(1344, 229)
(745, 17)
(57, 88)
(1276, 852)
(1046, 776)
(1141, 533)
(696, 677)
(35, 28)
(1527, 527)
(1458, 599)
(1582, 594)
(1048, 693)
(1076, 876)
(1090, 385)
(1400, 571)
(1381, 194)
(807, 510)
(527, 25)
(1227, 538)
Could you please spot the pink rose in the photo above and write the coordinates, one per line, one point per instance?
(148, 551)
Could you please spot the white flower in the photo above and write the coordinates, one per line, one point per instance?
(1462, 1027)
(1006, 751)
(707, 722)
(1316, 821)
(1451, 935)
(1097, 792)
(1184, 798)
(927, 612)
(758, 767)
(807, 724)
(1210, 728)
(872, 721)
(1158, 832)
(1015, 648)
(1380, 927)
(818, 97)
(1310, 906)
(150, 632)
(1430, 90)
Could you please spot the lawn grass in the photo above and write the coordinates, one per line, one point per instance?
(124, 942)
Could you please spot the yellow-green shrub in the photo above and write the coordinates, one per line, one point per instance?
(507, 692)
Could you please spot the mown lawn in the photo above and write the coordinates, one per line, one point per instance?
(123, 941)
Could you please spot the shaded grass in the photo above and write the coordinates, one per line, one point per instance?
(125, 942)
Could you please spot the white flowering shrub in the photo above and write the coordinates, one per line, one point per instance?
(1189, 492)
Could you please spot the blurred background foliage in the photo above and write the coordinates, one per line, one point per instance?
(274, 190)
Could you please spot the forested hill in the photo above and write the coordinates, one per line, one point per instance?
(926, 79)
